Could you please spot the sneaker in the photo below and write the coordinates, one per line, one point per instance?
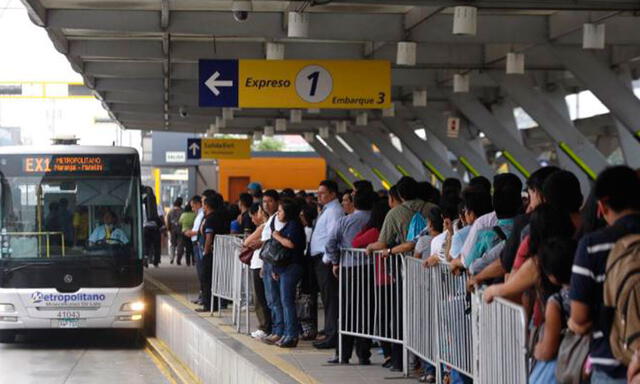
(259, 334)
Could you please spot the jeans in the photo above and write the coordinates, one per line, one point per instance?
(272, 294)
(197, 259)
(282, 299)
(288, 281)
(599, 377)
(544, 372)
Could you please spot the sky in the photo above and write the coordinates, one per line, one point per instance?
(28, 55)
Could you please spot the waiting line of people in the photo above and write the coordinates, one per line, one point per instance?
(544, 247)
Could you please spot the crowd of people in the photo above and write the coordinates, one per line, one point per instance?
(540, 244)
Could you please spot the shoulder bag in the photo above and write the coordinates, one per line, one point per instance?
(275, 253)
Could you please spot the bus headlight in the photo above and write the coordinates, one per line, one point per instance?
(136, 306)
(7, 308)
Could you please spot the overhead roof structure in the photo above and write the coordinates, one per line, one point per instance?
(140, 57)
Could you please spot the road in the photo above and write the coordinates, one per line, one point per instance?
(78, 357)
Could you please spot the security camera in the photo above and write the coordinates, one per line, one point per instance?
(183, 112)
(241, 9)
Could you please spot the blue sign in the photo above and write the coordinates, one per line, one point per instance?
(194, 149)
(218, 83)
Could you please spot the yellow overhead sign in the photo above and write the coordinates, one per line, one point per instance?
(344, 84)
(314, 84)
(218, 148)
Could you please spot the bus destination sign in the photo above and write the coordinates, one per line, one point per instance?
(63, 164)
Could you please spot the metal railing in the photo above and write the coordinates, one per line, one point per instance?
(371, 294)
(230, 278)
(502, 346)
(421, 311)
(454, 320)
(429, 311)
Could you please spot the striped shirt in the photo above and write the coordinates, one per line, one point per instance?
(588, 275)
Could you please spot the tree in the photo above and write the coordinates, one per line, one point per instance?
(269, 144)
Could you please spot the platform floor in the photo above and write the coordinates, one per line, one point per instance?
(78, 357)
(304, 363)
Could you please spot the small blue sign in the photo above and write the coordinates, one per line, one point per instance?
(194, 149)
(218, 83)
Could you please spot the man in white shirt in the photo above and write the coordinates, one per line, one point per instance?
(327, 283)
(486, 221)
(196, 206)
(270, 200)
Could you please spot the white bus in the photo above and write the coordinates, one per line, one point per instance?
(70, 239)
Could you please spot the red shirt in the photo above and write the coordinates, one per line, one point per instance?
(523, 253)
(365, 237)
(368, 236)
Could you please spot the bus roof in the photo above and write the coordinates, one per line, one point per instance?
(67, 150)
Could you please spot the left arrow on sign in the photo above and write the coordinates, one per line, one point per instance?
(213, 83)
(194, 148)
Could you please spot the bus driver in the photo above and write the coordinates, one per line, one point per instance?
(107, 232)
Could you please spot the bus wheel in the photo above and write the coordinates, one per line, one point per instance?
(7, 337)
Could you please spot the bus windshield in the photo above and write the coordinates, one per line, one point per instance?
(69, 207)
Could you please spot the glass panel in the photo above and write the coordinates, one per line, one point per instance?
(46, 217)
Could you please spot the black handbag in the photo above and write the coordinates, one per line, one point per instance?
(275, 253)
(304, 307)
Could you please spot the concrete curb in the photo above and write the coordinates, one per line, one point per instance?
(177, 369)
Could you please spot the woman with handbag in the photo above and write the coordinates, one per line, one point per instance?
(251, 251)
(284, 251)
(554, 259)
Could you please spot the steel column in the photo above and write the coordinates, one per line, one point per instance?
(333, 161)
(557, 125)
(378, 162)
(503, 111)
(432, 153)
(557, 99)
(403, 159)
(523, 160)
(603, 82)
(627, 141)
(435, 122)
(352, 159)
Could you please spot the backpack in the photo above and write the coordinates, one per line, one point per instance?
(416, 225)
(622, 296)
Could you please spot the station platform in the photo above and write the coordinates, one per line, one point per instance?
(303, 364)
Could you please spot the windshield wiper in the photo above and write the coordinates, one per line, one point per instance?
(27, 265)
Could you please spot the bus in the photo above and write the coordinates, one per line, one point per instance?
(70, 239)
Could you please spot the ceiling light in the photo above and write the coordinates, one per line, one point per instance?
(298, 24)
(515, 63)
(406, 54)
(275, 51)
(461, 83)
(593, 36)
(420, 98)
(465, 20)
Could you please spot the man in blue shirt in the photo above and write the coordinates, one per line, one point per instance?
(327, 282)
(344, 232)
(617, 190)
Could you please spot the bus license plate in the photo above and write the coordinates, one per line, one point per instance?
(69, 323)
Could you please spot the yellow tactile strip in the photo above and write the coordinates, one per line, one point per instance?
(270, 353)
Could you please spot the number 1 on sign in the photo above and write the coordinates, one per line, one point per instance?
(314, 82)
